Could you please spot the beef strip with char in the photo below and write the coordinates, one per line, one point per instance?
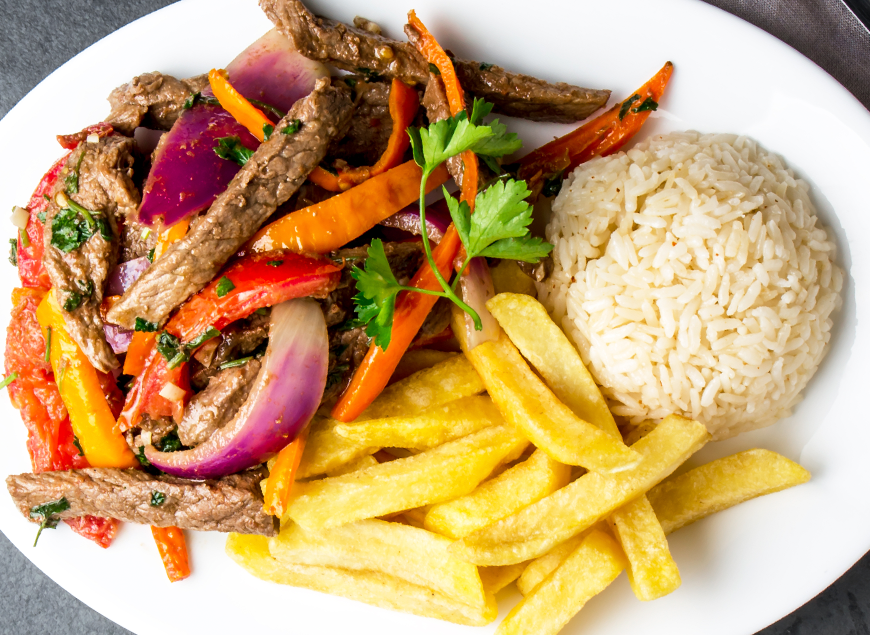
(353, 49)
(237, 340)
(232, 503)
(105, 187)
(269, 178)
(152, 98)
(370, 126)
(213, 407)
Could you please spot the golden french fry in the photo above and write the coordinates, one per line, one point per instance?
(432, 427)
(416, 516)
(444, 382)
(375, 588)
(494, 579)
(652, 571)
(327, 451)
(518, 487)
(532, 408)
(585, 573)
(450, 470)
(539, 569)
(638, 432)
(361, 463)
(535, 529)
(414, 555)
(508, 277)
(721, 484)
(417, 360)
(529, 327)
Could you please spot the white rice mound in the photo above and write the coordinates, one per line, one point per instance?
(694, 277)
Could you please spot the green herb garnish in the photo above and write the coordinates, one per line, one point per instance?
(262, 311)
(648, 104)
(552, 186)
(68, 231)
(41, 216)
(209, 333)
(8, 380)
(293, 127)
(369, 74)
(143, 460)
(275, 263)
(623, 110)
(87, 287)
(150, 255)
(268, 129)
(167, 345)
(231, 149)
(13, 252)
(72, 179)
(157, 498)
(224, 286)
(145, 326)
(73, 301)
(498, 228)
(236, 362)
(169, 443)
(434, 69)
(485, 66)
(47, 512)
(350, 81)
(78, 445)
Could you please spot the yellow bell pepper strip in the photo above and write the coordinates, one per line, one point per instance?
(91, 418)
(283, 475)
(173, 552)
(328, 225)
(234, 103)
(140, 346)
(373, 374)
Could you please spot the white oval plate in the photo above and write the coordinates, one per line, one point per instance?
(742, 569)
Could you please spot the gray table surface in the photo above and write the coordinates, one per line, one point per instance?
(37, 37)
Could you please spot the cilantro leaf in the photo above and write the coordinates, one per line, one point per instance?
(292, 128)
(209, 333)
(623, 110)
(157, 498)
(648, 104)
(375, 300)
(68, 231)
(231, 148)
(72, 302)
(527, 248)
(47, 512)
(224, 286)
(500, 212)
(168, 345)
(13, 252)
(268, 129)
(501, 142)
(446, 138)
(145, 326)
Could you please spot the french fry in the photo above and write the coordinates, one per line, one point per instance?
(494, 579)
(444, 382)
(638, 432)
(414, 555)
(652, 571)
(432, 427)
(417, 360)
(507, 277)
(448, 471)
(532, 408)
(534, 530)
(518, 487)
(361, 463)
(375, 588)
(416, 516)
(721, 484)
(326, 451)
(529, 327)
(585, 573)
(539, 569)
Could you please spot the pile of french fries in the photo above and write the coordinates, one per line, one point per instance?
(475, 471)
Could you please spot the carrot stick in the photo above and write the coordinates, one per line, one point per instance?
(173, 552)
(332, 223)
(282, 475)
(234, 103)
(603, 135)
(141, 344)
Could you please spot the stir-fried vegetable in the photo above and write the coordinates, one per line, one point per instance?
(240, 108)
(91, 417)
(173, 552)
(282, 476)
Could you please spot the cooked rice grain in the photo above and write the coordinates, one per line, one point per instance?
(694, 276)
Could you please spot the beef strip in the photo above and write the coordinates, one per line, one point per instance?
(232, 503)
(237, 340)
(354, 49)
(154, 98)
(212, 408)
(105, 187)
(370, 126)
(271, 176)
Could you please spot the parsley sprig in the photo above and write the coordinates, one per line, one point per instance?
(497, 229)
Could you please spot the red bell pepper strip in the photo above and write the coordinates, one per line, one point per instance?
(50, 439)
(173, 552)
(250, 283)
(378, 366)
(604, 135)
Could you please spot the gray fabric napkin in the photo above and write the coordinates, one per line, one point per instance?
(37, 37)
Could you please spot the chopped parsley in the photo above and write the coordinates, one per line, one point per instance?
(350, 81)
(198, 98)
(231, 149)
(41, 216)
(87, 287)
(209, 333)
(262, 311)
(275, 263)
(72, 179)
(434, 69)
(369, 74)
(47, 512)
(157, 498)
(293, 127)
(13, 252)
(169, 443)
(143, 460)
(648, 104)
(174, 352)
(8, 380)
(167, 345)
(335, 375)
(73, 301)
(552, 186)
(74, 225)
(224, 286)
(236, 362)
(485, 66)
(78, 445)
(145, 326)
(268, 129)
(623, 110)
(150, 255)
(268, 107)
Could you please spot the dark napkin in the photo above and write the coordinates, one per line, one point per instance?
(37, 37)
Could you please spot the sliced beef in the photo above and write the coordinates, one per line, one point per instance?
(233, 503)
(212, 408)
(106, 189)
(152, 98)
(370, 126)
(354, 49)
(271, 176)
(137, 240)
(237, 340)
